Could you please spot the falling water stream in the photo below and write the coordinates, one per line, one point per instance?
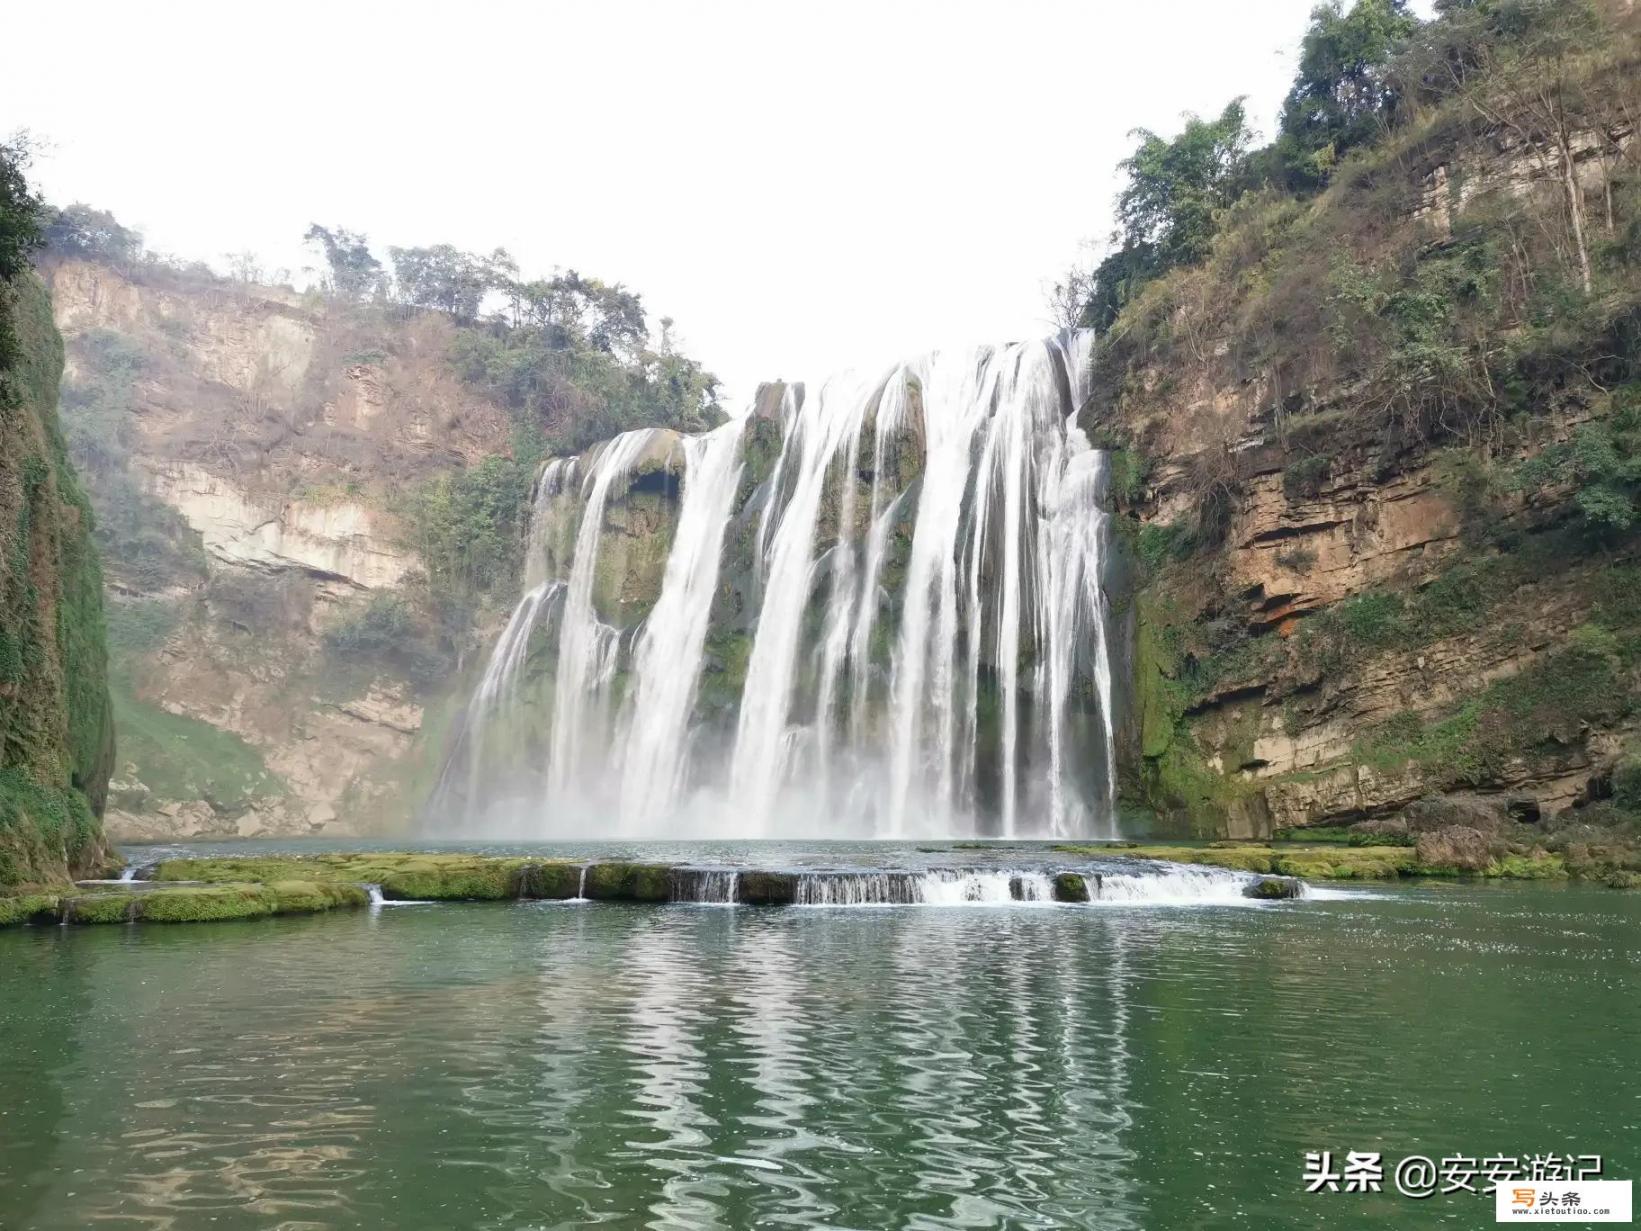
(890, 623)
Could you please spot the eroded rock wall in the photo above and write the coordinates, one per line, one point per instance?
(253, 447)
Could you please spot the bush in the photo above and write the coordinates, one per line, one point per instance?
(1303, 479)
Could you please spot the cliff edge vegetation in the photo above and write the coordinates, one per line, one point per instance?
(56, 730)
(1375, 391)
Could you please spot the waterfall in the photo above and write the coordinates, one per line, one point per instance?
(667, 662)
(881, 613)
(760, 757)
(587, 647)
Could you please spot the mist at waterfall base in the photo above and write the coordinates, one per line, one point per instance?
(881, 616)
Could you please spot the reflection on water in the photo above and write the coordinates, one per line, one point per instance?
(560, 1065)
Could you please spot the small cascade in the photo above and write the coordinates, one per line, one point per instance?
(937, 887)
(375, 893)
(1170, 883)
(127, 874)
(705, 885)
(858, 889)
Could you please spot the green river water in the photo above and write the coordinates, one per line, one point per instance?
(567, 1065)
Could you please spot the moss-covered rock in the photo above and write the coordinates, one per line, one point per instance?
(402, 876)
(1070, 887)
(556, 881)
(629, 882)
(56, 731)
(195, 903)
(766, 888)
(1274, 887)
(99, 908)
(29, 908)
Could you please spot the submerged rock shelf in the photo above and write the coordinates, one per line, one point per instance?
(209, 889)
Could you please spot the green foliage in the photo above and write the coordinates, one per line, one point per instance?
(1168, 206)
(183, 758)
(55, 734)
(19, 236)
(1549, 703)
(573, 366)
(1343, 94)
(353, 271)
(39, 825)
(1129, 471)
(79, 230)
(442, 278)
(1601, 468)
(468, 526)
(1156, 544)
(1303, 479)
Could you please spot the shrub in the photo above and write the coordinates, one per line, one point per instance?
(1304, 478)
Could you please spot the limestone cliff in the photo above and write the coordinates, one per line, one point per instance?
(56, 732)
(1381, 497)
(249, 450)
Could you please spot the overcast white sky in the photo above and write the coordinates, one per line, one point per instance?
(803, 187)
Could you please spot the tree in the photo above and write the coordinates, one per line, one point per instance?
(1343, 92)
(94, 234)
(445, 279)
(19, 211)
(1167, 211)
(244, 267)
(353, 271)
(1176, 187)
(1516, 66)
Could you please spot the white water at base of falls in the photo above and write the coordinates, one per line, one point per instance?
(1181, 884)
(919, 592)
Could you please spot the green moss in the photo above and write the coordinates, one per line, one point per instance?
(29, 908)
(1534, 866)
(1551, 703)
(1270, 888)
(550, 881)
(56, 737)
(629, 882)
(99, 908)
(475, 882)
(1070, 887)
(1329, 862)
(766, 888)
(1349, 863)
(182, 758)
(402, 876)
(211, 903)
(46, 833)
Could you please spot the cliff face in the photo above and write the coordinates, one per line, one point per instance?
(56, 731)
(249, 450)
(1380, 562)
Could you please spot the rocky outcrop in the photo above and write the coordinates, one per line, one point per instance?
(272, 438)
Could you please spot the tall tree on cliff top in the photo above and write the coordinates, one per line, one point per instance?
(353, 271)
(1342, 95)
(1167, 210)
